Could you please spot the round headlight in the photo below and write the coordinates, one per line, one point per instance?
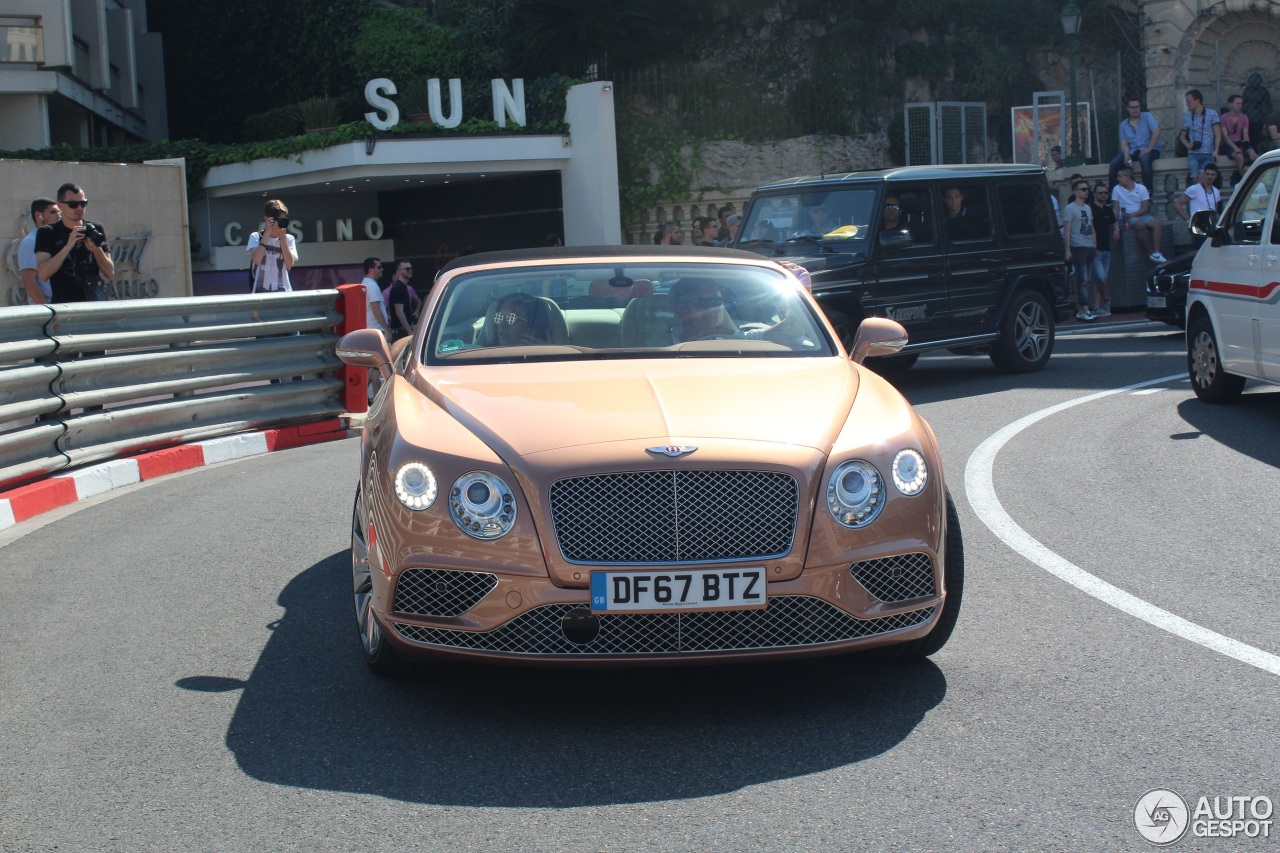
(482, 505)
(855, 493)
(416, 485)
(909, 472)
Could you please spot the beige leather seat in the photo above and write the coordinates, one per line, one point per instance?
(648, 322)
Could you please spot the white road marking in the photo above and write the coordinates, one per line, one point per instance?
(982, 496)
(1149, 391)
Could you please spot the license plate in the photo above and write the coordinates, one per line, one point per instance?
(714, 589)
(1155, 302)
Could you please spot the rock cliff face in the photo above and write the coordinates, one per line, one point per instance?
(735, 164)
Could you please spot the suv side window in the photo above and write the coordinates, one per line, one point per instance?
(916, 208)
(966, 213)
(1024, 207)
(1249, 218)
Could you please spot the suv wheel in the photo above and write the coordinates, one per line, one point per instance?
(845, 328)
(893, 365)
(1210, 382)
(1026, 334)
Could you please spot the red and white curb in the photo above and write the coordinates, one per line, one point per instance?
(25, 502)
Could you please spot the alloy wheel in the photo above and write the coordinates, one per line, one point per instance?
(362, 582)
(1032, 331)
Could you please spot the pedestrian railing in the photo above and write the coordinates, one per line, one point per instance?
(90, 381)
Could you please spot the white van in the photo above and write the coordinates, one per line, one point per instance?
(1233, 305)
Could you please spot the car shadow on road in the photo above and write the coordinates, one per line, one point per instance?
(1085, 363)
(313, 716)
(1247, 426)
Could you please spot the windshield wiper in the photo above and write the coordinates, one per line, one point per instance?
(758, 241)
(815, 239)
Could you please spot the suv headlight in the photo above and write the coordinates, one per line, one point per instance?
(855, 493)
(482, 505)
(416, 485)
(910, 473)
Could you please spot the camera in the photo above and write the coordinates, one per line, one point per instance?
(94, 234)
(1194, 146)
(282, 221)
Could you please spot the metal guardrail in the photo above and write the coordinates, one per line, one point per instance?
(90, 381)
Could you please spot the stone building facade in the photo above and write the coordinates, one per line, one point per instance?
(1211, 46)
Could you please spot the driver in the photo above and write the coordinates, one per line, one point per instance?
(699, 311)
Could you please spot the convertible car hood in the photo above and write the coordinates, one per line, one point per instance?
(530, 408)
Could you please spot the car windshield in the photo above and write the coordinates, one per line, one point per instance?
(839, 219)
(553, 311)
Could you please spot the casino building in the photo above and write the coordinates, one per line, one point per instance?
(425, 200)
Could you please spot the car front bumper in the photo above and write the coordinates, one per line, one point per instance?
(524, 619)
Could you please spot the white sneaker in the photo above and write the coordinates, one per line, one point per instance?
(1103, 311)
(1158, 258)
(1084, 314)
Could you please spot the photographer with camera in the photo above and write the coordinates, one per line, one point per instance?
(1201, 134)
(272, 251)
(72, 254)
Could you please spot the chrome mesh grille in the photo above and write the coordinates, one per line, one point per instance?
(441, 592)
(674, 516)
(896, 578)
(789, 621)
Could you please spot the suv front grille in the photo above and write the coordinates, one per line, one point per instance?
(674, 516)
(441, 592)
(896, 578)
(789, 621)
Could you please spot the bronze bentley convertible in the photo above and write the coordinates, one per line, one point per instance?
(653, 455)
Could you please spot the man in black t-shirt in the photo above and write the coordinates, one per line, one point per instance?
(72, 255)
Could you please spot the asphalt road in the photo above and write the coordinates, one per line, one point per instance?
(180, 670)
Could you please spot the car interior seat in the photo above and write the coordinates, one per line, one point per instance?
(648, 322)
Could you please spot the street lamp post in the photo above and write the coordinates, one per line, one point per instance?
(1070, 18)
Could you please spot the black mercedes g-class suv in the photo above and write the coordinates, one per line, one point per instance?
(967, 258)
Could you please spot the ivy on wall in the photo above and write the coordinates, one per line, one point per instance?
(544, 110)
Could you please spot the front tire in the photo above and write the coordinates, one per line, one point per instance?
(953, 579)
(378, 651)
(1026, 334)
(1211, 383)
(846, 328)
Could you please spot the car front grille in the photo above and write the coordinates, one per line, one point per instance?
(441, 592)
(896, 578)
(666, 517)
(790, 621)
(1162, 283)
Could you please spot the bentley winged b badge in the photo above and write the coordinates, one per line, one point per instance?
(673, 450)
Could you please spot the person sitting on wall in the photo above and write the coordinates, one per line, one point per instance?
(1139, 140)
(1133, 212)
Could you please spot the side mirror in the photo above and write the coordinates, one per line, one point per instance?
(900, 239)
(366, 348)
(877, 336)
(1202, 222)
